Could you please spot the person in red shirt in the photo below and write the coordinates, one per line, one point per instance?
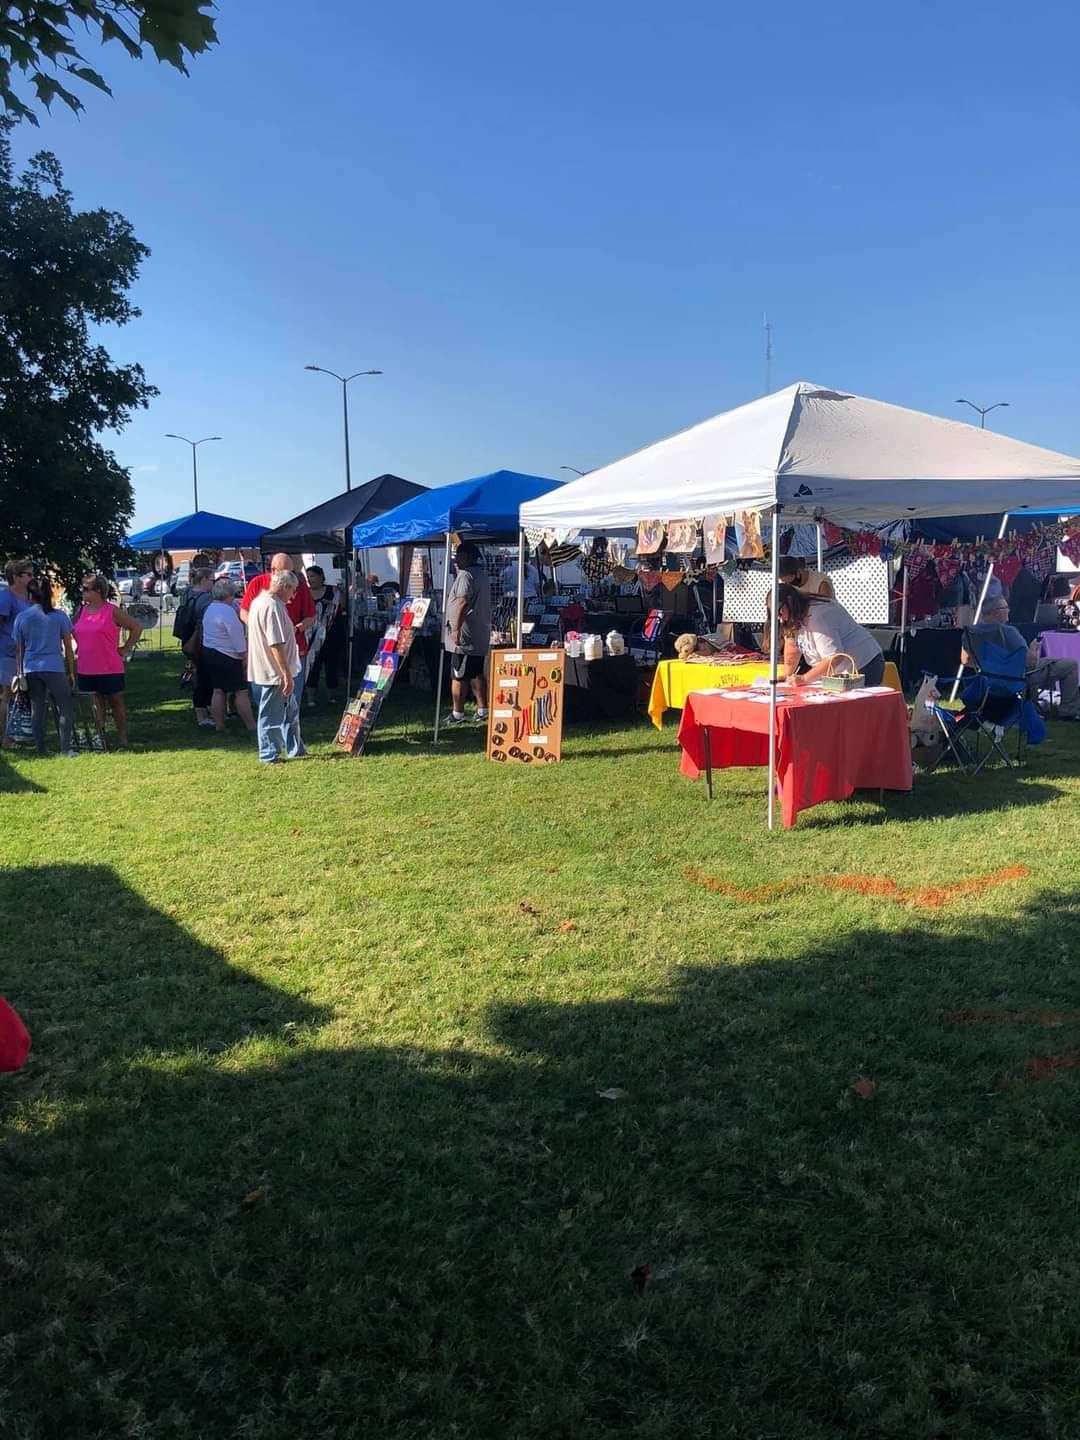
(301, 608)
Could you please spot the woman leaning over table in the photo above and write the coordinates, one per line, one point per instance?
(822, 630)
(100, 658)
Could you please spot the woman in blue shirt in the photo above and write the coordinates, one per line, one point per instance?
(44, 654)
(13, 599)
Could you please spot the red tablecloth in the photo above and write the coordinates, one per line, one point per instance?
(826, 748)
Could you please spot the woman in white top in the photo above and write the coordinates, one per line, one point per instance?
(823, 629)
(224, 655)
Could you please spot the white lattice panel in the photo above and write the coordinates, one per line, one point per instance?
(861, 584)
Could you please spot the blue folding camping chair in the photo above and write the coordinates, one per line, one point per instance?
(995, 702)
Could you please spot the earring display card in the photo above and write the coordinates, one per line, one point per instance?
(362, 711)
(525, 706)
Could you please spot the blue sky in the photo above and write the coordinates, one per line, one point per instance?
(556, 226)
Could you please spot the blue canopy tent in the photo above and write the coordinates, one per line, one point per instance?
(199, 531)
(484, 508)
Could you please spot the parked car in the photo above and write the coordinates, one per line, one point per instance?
(150, 584)
(240, 575)
(125, 581)
(181, 579)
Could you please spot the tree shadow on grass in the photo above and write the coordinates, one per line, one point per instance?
(728, 1241)
(15, 781)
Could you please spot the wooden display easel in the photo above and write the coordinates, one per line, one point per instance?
(525, 706)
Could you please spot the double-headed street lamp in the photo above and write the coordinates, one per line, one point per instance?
(344, 407)
(983, 412)
(194, 457)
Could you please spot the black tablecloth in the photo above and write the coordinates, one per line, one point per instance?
(930, 650)
(604, 689)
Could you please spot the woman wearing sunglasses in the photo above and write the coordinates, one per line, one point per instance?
(98, 628)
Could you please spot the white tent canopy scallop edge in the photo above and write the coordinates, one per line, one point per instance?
(818, 454)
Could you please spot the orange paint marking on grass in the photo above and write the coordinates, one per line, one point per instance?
(877, 887)
(1050, 1019)
(1045, 1066)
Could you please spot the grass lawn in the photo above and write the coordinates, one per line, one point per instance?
(313, 1139)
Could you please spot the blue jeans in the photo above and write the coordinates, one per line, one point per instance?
(277, 723)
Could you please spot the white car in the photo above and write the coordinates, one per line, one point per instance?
(126, 582)
(240, 575)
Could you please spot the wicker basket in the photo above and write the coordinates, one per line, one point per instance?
(853, 681)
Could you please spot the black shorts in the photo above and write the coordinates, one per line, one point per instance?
(222, 672)
(466, 667)
(101, 684)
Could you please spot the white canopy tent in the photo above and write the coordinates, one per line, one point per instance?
(816, 453)
(810, 453)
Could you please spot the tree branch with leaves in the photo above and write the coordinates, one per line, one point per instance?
(38, 41)
(66, 501)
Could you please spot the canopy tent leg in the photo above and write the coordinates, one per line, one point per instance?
(519, 638)
(979, 606)
(903, 622)
(348, 624)
(442, 635)
(774, 661)
(820, 547)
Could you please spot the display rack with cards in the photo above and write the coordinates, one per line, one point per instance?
(362, 711)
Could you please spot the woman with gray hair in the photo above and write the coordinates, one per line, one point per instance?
(273, 664)
(224, 656)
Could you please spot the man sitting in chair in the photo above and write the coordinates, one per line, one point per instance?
(1040, 674)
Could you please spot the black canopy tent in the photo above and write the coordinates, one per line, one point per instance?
(329, 528)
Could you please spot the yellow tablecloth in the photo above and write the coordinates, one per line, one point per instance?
(674, 680)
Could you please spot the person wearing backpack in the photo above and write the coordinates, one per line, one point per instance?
(187, 628)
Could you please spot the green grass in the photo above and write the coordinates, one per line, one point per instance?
(379, 997)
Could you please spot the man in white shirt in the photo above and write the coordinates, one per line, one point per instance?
(273, 663)
(532, 579)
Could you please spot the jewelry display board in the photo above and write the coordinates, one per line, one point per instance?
(525, 706)
(362, 711)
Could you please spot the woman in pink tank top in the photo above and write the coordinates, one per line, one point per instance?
(100, 658)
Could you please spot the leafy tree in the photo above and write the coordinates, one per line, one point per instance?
(65, 498)
(37, 38)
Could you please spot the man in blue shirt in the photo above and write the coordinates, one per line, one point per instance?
(13, 600)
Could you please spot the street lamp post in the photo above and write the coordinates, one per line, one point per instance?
(984, 411)
(194, 457)
(344, 407)
(350, 555)
(574, 469)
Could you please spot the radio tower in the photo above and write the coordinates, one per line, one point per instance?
(768, 353)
